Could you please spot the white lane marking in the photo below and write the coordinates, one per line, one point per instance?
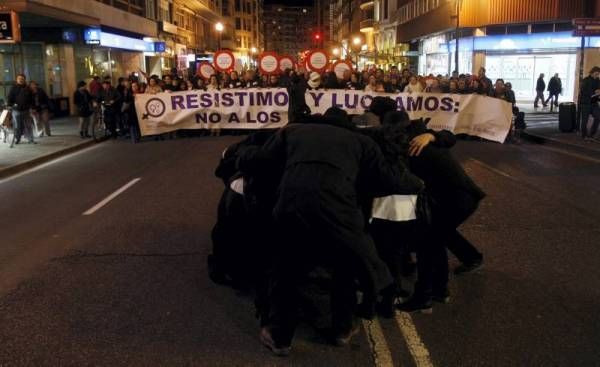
(495, 170)
(44, 165)
(574, 155)
(105, 201)
(416, 347)
(381, 352)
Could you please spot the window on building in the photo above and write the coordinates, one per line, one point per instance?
(238, 7)
(385, 9)
(238, 24)
(164, 11)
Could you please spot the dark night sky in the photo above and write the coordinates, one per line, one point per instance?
(290, 2)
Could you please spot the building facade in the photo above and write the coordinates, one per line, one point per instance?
(114, 38)
(246, 19)
(513, 40)
(290, 30)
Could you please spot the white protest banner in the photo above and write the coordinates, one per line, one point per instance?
(486, 117)
(268, 63)
(226, 109)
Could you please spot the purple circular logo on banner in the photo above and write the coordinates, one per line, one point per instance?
(155, 107)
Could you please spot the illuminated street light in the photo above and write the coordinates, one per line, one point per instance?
(335, 51)
(356, 41)
(219, 27)
(253, 50)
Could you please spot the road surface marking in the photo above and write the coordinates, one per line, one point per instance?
(495, 170)
(381, 352)
(105, 201)
(416, 347)
(574, 155)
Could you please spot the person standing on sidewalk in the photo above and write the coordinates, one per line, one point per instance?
(554, 89)
(83, 101)
(40, 114)
(20, 100)
(588, 88)
(540, 88)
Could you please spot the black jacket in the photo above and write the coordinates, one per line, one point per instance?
(83, 101)
(541, 85)
(588, 86)
(41, 100)
(325, 170)
(20, 97)
(555, 85)
(111, 99)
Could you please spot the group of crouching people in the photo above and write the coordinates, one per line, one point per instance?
(355, 204)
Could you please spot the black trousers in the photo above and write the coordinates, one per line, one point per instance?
(450, 214)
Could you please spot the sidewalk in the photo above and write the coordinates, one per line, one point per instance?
(542, 128)
(65, 139)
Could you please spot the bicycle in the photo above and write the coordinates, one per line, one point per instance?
(99, 130)
(7, 130)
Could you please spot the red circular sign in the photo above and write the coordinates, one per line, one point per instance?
(268, 63)
(224, 60)
(205, 70)
(340, 66)
(286, 62)
(317, 60)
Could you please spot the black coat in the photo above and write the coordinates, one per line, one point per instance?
(83, 101)
(325, 168)
(541, 85)
(588, 86)
(20, 97)
(41, 100)
(555, 85)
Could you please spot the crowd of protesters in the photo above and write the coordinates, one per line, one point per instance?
(324, 203)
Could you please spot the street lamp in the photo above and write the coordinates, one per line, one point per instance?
(253, 51)
(335, 51)
(357, 43)
(219, 27)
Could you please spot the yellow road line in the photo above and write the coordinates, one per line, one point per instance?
(416, 347)
(382, 357)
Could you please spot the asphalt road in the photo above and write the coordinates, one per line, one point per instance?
(127, 284)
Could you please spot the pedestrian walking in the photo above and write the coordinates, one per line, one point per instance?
(83, 101)
(540, 87)
(554, 89)
(40, 112)
(20, 101)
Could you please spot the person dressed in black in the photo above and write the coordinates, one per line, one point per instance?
(455, 198)
(540, 87)
(589, 87)
(83, 101)
(41, 110)
(319, 221)
(297, 91)
(109, 98)
(20, 101)
(554, 89)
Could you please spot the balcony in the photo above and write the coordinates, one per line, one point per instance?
(367, 25)
(366, 4)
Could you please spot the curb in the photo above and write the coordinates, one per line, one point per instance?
(540, 139)
(23, 166)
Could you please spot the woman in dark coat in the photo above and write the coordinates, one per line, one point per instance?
(83, 102)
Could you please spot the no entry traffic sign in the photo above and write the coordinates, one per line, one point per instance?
(268, 63)
(205, 70)
(317, 60)
(340, 67)
(224, 60)
(286, 62)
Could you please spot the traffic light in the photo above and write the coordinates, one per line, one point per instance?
(318, 36)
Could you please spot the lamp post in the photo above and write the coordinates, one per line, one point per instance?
(219, 27)
(356, 43)
(253, 51)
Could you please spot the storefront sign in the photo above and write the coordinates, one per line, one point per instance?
(552, 40)
(268, 63)
(126, 43)
(317, 60)
(160, 47)
(286, 62)
(472, 114)
(91, 36)
(224, 60)
(340, 67)
(205, 69)
(9, 27)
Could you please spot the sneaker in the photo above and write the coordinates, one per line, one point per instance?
(267, 340)
(468, 268)
(342, 339)
(416, 304)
